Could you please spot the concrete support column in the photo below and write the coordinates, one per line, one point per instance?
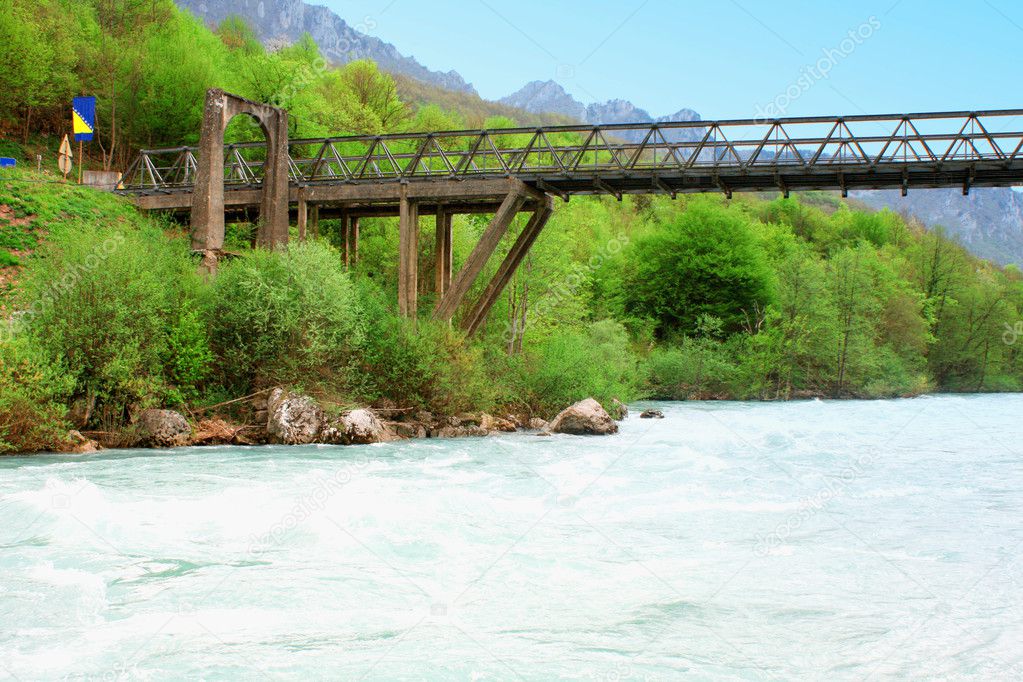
(443, 255)
(408, 256)
(350, 230)
(273, 209)
(354, 229)
(208, 194)
(303, 217)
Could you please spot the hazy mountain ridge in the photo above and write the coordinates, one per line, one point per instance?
(988, 222)
(550, 97)
(287, 20)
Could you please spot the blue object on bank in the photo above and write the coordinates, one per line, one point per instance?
(6, 162)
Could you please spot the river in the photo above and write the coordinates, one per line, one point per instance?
(811, 540)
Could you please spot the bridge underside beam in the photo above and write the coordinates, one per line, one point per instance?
(478, 315)
(481, 194)
(449, 302)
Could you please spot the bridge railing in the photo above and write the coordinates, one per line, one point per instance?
(914, 142)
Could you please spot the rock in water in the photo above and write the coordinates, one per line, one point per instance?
(492, 424)
(163, 429)
(586, 417)
(80, 445)
(466, 431)
(293, 419)
(537, 424)
(361, 427)
(618, 410)
(651, 414)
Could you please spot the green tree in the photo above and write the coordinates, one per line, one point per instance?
(706, 261)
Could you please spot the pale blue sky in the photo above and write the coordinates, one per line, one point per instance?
(727, 58)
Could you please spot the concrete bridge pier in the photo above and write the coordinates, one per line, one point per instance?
(207, 205)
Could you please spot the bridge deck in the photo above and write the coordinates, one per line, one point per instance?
(949, 149)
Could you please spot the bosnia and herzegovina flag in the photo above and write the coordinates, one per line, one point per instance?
(83, 115)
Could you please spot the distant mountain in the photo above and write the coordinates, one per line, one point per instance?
(988, 222)
(549, 97)
(286, 21)
(546, 97)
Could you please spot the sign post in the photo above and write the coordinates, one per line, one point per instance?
(64, 160)
(83, 118)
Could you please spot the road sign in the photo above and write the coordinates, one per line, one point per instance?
(83, 118)
(64, 161)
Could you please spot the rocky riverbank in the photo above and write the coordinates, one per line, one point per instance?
(282, 417)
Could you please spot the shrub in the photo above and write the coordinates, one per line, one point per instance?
(32, 395)
(696, 368)
(571, 364)
(286, 316)
(102, 301)
(427, 365)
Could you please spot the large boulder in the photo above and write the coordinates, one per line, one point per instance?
(586, 417)
(361, 427)
(163, 429)
(293, 419)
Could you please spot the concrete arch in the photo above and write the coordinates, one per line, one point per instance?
(208, 197)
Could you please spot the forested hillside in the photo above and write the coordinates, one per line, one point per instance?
(754, 297)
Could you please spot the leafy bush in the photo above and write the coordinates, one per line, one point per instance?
(696, 368)
(188, 360)
(102, 302)
(427, 365)
(287, 316)
(32, 395)
(570, 365)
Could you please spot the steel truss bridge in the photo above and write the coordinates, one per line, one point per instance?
(965, 149)
(521, 169)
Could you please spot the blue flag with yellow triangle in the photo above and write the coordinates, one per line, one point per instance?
(83, 115)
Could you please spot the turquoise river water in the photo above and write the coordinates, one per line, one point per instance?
(729, 541)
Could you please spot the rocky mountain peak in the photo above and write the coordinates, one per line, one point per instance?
(546, 97)
(284, 21)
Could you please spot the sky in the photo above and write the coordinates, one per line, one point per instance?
(726, 58)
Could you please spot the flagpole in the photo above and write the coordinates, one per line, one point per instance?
(81, 162)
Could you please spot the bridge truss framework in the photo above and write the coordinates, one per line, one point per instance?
(511, 170)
